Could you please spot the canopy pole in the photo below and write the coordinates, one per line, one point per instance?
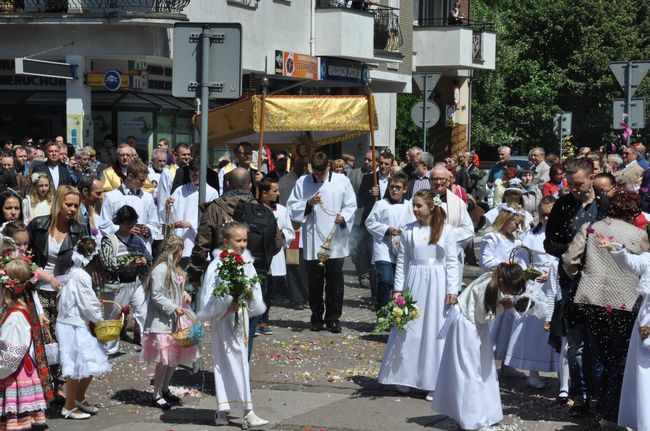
(260, 149)
(371, 121)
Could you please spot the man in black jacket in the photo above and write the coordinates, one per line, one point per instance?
(582, 205)
(53, 167)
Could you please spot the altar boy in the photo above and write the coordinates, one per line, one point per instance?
(324, 203)
(384, 223)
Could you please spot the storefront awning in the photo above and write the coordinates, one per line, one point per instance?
(328, 118)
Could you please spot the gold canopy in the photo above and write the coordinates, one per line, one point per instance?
(328, 118)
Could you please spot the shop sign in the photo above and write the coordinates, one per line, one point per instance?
(295, 65)
(98, 80)
(338, 69)
(112, 80)
(10, 81)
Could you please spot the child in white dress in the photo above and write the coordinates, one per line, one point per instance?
(634, 406)
(496, 246)
(529, 348)
(467, 388)
(82, 357)
(229, 343)
(166, 295)
(427, 267)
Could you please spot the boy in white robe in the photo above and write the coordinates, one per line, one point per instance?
(384, 223)
(229, 343)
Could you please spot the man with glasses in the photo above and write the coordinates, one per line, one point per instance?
(243, 159)
(541, 169)
(632, 173)
(366, 197)
(457, 216)
(413, 156)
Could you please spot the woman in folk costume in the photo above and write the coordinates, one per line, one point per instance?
(467, 388)
(529, 348)
(229, 343)
(25, 382)
(634, 406)
(82, 357)
(427, 266)
(496, 246)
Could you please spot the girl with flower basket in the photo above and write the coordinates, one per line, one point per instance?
(230, 294)
(82, 356)
(427, 269)
(166, 306)
(25, 382)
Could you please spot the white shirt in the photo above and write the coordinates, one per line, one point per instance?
(52, 255)
(186, 207)
(54, 172)
(279, 262)
(383, 216)
(141, 202)
(337, 197)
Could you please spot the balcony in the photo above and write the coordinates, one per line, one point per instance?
(143, 8)
(439, 46)
(357, 33)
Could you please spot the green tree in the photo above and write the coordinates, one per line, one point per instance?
(554, 55)
(407, 134)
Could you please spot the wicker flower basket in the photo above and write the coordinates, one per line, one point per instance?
(531, 273)
(109, 330)
(188, 335)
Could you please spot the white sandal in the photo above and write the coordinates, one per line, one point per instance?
(73, 414)
(87, 407)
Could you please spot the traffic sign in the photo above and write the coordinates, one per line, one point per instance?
(638, 72)
(426, 82)
(430, 111)
(562, 120)
(224, 73)
(636, 118)
(112, 80)
(51, 69)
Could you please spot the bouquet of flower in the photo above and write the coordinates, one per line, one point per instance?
(125, 259)
(232, 280)
(397, 313)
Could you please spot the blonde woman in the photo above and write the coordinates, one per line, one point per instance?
(38, 201)
(166, 295)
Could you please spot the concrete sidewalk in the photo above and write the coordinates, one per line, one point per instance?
(304, 380)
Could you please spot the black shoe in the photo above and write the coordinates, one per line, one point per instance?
(579, 409)
(316, 327)
(334, 327)
(161, 403)
(171, 398)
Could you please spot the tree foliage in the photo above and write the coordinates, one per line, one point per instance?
(407, 134)
(552, 56)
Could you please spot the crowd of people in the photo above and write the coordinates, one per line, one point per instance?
(90, 233)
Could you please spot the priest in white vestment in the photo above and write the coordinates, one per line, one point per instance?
(457, 215)
(324, 203)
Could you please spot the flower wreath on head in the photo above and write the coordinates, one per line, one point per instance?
(10, 283)
(78, 259)
(507, 208)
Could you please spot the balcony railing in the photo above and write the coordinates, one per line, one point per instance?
(93, 6)
(387, 35)
(466, 22)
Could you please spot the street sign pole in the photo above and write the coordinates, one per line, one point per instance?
(205, 105)
(424, 111)
(628, 95)
(560, 132)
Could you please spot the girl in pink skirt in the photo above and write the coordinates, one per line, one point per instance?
(166, 296)
(22, 356)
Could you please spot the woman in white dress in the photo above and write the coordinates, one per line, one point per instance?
(634, 406)
(496, 246)
(467, 389)
(427, 266)
(529, 348)
(38, 201)
(82, 357)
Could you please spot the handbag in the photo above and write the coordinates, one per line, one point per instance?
(51, 350)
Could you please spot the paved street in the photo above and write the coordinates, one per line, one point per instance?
(304, 380)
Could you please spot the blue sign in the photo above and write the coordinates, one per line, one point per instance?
(338, 69)
(112, 80)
